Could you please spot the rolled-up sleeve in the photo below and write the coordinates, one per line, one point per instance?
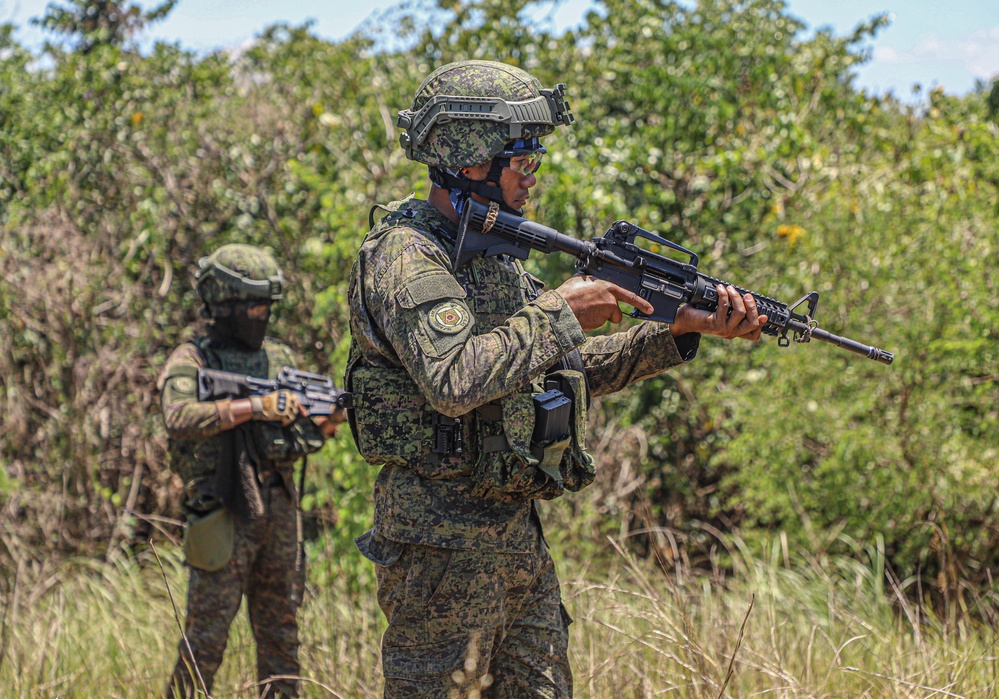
(183, 416)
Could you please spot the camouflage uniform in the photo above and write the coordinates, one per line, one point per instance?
(465, 578)
(266, 564)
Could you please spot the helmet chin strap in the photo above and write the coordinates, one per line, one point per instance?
(459, 187)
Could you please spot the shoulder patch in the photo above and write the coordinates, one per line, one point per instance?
(183, 384)
(449, 317)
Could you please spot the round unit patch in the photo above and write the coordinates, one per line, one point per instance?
(449, 317)
(184, 384)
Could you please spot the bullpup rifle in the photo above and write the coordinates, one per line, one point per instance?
(663, 282)
(317, 393)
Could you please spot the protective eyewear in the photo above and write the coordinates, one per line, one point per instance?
(526, 163)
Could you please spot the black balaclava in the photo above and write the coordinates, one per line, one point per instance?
(231, 323)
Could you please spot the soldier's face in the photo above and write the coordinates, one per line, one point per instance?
(516, 187)
(514, 183)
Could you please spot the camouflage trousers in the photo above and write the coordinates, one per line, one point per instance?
(265, 567)
(470, 624)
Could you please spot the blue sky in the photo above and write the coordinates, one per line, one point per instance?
(928, 42)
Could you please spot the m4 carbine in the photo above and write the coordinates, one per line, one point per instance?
(662, 281)
(317, 393)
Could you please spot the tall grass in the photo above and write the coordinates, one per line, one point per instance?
(818, 628)
(782, 626)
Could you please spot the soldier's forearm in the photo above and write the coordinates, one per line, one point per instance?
(194, 420)
(234, 412)
(189, 419)
(620, 359)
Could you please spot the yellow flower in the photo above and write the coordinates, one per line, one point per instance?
(791, 232)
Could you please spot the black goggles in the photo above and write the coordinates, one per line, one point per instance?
(523, 155)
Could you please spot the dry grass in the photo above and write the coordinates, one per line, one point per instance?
(824, 629)
(95, 630)
(819, 629)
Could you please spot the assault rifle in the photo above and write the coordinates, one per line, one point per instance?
(317, 393)
(662, 281)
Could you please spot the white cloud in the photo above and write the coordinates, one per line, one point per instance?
(981, 52)
(886, 54)
(932, 47)
(977, 53)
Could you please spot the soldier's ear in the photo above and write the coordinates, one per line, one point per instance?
(477, 172)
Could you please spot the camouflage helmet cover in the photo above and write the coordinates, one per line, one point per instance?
(239, 272)
(466, 112)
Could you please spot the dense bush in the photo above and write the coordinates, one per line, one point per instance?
(721, 126)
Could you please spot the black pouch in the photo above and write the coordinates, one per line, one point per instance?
(552, 411)
(576, 468)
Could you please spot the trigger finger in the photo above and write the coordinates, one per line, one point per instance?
(632, 299)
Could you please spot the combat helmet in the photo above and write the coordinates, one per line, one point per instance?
(238, 272)
(465, 113)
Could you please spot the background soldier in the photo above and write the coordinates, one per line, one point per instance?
(236, 458)
(447, 363)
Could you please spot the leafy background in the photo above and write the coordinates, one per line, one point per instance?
(716, 125)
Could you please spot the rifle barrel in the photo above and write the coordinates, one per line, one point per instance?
(869, 351)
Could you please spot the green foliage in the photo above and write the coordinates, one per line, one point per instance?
(97, 22)
(718, 124)
(906, 453)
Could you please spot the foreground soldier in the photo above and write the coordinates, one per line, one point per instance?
(236, 458)
(448, 368)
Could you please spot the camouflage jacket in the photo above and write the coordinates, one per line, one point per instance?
(193, 427)
(430, 340)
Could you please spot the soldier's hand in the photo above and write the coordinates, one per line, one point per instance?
(595, 301)
(339, 415)
(328, 424)
(280, 406)
(735, 317)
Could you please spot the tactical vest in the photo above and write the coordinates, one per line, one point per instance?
(495, 445)
(278, 447)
